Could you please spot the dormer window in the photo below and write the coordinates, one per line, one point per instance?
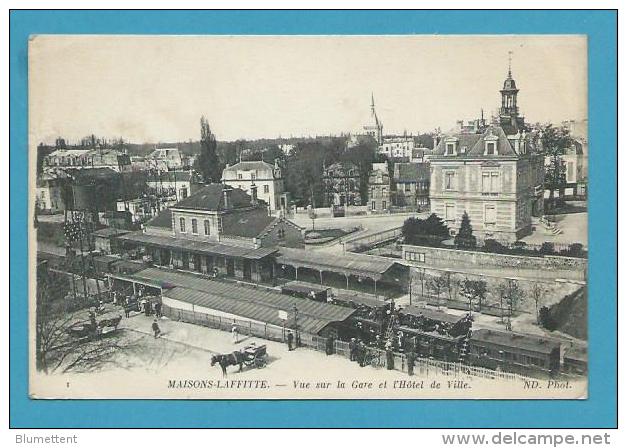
(450, 146)
(490, 148)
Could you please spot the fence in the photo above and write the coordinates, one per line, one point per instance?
(367, 242)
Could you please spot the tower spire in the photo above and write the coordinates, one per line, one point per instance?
(372, 100)
(509, 69)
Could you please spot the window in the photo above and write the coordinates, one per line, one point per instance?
(449, 212)
(207, 227)
(384, 205)
(490, 214)
(449, 180)
(570, 172)
(490, 183)
(183, 193)
(415, 256)
(373, 205)
(194, 226)
(182, 224)
(239, 175)
(407, 188)
(266, 189)
(450, 149)
(490, 148)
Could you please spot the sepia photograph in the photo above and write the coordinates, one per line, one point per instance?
(308, 217)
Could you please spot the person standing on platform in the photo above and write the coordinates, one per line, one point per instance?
(411, 360)
(155, 328)
(235, 334)
(290, 340)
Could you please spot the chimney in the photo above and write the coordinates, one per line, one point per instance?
(226, 192)
(253, 194)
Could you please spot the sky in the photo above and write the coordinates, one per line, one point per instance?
(156, 88)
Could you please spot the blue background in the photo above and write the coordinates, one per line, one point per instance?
(597, 411)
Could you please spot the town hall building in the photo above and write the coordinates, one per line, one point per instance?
(495, 176)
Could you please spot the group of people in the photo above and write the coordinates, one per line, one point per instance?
(359, 353)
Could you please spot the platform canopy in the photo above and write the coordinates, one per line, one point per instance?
(347, 264)
(258, 303)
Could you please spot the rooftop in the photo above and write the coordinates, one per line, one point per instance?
(109, 232)
(249, 302)
(250, 165)
(351, 264)
(518, 340)
(411, 172)
(162, 220)
(211, 198)
(197, 246)
(473, 145)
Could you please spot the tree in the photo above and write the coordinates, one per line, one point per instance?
(555, 141)
(430, 231)
(464, 238)
(546, 320)
(207, 163)
(56, 350)
(537, 292)
(421, 276)
(513, 297)
(437, 284)
(474, 290)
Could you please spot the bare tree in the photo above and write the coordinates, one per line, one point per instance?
(513, 298)
(56, 349)
(437, 284)
(474, 290)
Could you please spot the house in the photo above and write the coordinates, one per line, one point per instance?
(397, 147)
(379, 188)
(267, 178)
(173, 185)
(165, 159)
(88, 159)
(420, 155)
(218, 229)
(49, 194)
(496, 176)
(575, 169)
(104, 240)
(140, 209)
(497, 179)
(341, 182)
(411, 181)
(92, 189)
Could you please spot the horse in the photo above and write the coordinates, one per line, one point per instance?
(229, 359)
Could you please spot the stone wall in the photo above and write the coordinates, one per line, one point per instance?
(435, 257)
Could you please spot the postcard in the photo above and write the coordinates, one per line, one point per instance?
(308, 217)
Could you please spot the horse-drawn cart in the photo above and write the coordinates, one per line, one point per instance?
(91, 329)
(255, 355)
